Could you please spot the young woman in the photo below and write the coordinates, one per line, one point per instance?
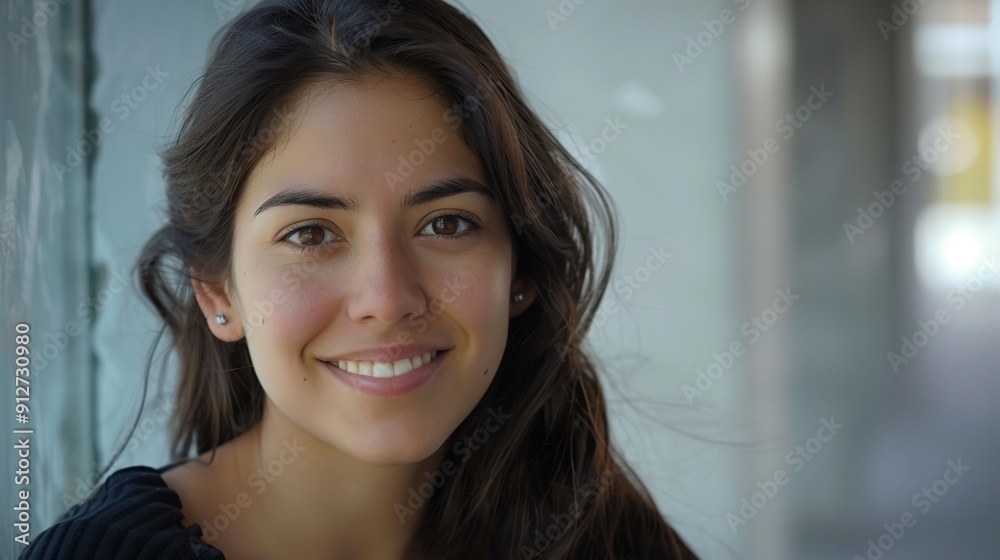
(377, 271)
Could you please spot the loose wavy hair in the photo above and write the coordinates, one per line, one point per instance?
(553, 457)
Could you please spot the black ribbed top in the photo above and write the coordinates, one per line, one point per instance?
(133, 515)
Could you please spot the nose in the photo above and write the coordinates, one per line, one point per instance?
(386, 281)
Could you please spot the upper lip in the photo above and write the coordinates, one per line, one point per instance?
(388, 353)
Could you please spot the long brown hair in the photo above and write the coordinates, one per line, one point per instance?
(551, 464)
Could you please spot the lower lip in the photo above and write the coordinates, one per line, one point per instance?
(390, 386)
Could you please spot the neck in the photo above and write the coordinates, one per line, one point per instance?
(317, 501)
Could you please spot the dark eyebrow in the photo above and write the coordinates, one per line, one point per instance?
(305, 196)
(442, 189)
(299, 196)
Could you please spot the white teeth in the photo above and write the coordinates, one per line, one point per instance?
(365, 368)
(382, 369)
(400, 367)
(385, 369)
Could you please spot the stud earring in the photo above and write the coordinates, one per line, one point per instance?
(518, 297)
(220, 319)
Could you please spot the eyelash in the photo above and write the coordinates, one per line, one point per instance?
(473, 226)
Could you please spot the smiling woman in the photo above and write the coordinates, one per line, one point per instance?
(375, 363)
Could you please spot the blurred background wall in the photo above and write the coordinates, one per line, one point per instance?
(808, 370)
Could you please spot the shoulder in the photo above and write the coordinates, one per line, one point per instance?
(132, 515)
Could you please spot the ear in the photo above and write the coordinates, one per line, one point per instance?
(213, 298)
(524, 286)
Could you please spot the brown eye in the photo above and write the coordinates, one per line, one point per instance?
(450, 225)
(309, 236)
(445, 225)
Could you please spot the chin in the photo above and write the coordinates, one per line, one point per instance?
(407, 447)
(393, 457)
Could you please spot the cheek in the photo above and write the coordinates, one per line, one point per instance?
(288, 306)
(292, 316)
(280, 309)
(474, 300)
(473, 293)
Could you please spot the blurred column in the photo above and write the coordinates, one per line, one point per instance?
(842, 264)
(44, 270)
(764, 92)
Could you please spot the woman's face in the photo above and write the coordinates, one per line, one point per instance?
(369, 236)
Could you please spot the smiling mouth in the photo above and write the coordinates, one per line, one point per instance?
(387, 369)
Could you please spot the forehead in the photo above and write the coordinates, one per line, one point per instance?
(378, 138)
